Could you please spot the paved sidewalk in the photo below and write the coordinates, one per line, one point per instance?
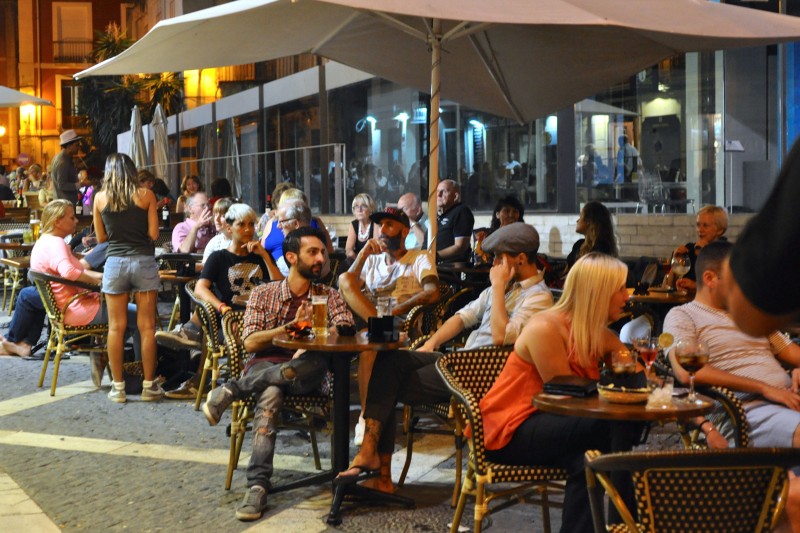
(78, 462)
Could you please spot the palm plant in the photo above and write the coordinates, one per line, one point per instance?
(106, 101)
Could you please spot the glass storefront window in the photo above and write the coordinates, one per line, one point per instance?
(653, 140)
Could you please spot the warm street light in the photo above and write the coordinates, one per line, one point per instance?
(2, 134)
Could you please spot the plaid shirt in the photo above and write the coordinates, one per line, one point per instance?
(269, 304)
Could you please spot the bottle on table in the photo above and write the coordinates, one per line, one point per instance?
(165, 216)
(79, 206)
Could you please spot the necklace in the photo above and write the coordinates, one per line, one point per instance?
(363, 236)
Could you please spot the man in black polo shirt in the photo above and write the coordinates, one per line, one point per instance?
(455, 224)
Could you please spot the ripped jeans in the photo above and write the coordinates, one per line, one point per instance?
(271, 380)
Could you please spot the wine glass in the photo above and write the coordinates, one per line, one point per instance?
(332, 233)
(680, 267)
(691, 355)
(647, 348)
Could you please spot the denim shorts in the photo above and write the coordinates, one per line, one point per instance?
(136, 273)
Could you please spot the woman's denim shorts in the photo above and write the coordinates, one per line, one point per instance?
(136, 273)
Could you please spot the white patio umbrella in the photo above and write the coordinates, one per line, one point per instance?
(13, 98)
(230, 150)
(207, 154)
(161, 147)
(515, 58)
(138, 148)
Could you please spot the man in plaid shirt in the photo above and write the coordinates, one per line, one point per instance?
(271, 370)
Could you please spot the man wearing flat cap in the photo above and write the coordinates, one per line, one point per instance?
(62, 170)
(384, 268)
(517, 291)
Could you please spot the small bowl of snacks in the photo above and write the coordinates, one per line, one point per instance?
(618, 394)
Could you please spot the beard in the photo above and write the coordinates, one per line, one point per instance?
(392, 243)
(312, 271)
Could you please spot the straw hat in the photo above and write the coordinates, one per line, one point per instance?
(69, 136)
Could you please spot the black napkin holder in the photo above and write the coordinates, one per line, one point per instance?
(381, 329)
(570, 385)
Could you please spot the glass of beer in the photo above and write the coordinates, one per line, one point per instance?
(35, 229)
(319, 314)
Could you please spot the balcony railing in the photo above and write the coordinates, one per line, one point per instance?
(72, 51)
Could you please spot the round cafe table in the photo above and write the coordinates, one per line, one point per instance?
(342, 350)
(596, 407)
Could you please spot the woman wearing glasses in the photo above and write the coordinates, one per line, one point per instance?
(361, 229)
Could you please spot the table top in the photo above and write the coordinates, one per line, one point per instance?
(26, 246)
(23, 261)
(665, 298)
(596, 407)
(334, 343)
(171, 275)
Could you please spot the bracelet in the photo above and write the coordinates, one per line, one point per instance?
(223, 304)
(703, 423)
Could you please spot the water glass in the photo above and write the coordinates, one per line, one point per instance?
(384, 305)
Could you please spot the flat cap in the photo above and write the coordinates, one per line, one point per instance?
(515, 238)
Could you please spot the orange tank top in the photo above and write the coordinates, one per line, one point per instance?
(509, 402)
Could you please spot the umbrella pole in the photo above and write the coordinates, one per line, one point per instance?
(433, 138)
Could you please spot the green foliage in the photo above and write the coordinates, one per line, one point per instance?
(106, 101)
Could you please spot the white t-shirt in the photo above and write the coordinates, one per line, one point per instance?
(401, 279)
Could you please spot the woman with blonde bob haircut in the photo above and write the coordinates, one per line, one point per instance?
(125, 215)
(570, 338)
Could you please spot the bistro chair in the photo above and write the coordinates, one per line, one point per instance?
(62, 334)
(13, 276)
(735, 490)
(728, 414)
(242, 411)
(424, 319)
(470, 375)
(444, 411)
(214, 347)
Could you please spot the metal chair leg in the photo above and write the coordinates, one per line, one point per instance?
(57, 363)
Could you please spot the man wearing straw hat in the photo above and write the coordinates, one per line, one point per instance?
(65, 177)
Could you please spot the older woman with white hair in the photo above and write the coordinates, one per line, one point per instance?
(710, 224)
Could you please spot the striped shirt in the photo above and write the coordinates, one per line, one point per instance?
(730, 349)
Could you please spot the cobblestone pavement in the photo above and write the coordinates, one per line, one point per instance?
(92, 465)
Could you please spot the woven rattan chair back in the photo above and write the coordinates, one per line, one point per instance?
(214, 348)
(470, 374)
(731, 491)
(61, 333)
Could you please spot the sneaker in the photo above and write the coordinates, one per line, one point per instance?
(154, 393)
(117, 396)
(98, 362)
(217, 401)
(182, 337)
(255, 501)
(186, 391)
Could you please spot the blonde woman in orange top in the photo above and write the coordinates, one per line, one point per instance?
(570, 338)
